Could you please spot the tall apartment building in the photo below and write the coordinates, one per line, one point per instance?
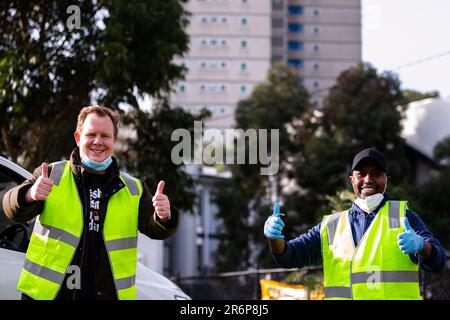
(234, 42)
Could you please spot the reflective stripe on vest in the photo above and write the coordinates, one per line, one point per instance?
(57, 233)
(376, 268)
(131, 183)
(337, 292)
(385, 276)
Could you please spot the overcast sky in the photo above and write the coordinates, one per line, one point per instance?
(399, 32)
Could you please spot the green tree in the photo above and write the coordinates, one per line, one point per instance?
(413, 95)
(149, 154)
(49, 70)
(360, 111)
(243, 202)
(432, 199)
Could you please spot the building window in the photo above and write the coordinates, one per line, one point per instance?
(316, 48)
(277, 5)
(243, 89)
(296, 63)
(316, 84)
(243, 44)
(244, 21)
(277, 23)
(277, 41)
(316, 12)
(276, 58)
(244, 2)
(295, 10)
(243, 66)
(316, 66)
(213, 64)
(295, 27)
(295, 45)
(213, 87)
(316, 30)
(182, 88)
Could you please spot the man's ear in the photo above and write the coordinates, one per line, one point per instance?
(77, 137)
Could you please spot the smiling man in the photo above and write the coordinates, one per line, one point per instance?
(88, 213)
(371, 251)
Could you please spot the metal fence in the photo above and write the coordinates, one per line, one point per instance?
(245, 285)
(436, 286)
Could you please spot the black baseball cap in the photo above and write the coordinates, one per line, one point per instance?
(374, 154)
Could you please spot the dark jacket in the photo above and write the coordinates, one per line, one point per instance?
(91, 252)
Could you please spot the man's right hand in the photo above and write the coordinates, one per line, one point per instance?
(274, 225)
(41, 188)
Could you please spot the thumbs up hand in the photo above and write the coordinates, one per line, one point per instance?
(161, 202)
(274, 225)
(41, 187)
(409, 241)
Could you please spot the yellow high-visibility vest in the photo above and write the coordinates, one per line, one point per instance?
(374, 269)
(58, 229)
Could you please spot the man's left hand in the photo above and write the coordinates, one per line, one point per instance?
(409, 241)
(161, 203)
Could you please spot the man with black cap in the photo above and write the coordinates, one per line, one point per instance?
(371, 251)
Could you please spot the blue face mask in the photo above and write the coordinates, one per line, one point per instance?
(94, 165)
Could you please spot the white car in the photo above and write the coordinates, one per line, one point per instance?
(14, 238)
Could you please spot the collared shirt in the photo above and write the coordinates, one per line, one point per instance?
(306, 249)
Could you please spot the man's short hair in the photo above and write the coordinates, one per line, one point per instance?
(101, 112)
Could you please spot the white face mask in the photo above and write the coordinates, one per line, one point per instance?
(370, 202)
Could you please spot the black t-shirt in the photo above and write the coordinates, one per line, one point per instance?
(91, 261)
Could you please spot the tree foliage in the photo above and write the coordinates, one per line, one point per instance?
(360, 111)
(432, 199)
(49, 70)
(275, 104)
(414, 95)
(316, 149)
(149, 155)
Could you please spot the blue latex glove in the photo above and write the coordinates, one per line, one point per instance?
(409, 241)
(274, 225)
